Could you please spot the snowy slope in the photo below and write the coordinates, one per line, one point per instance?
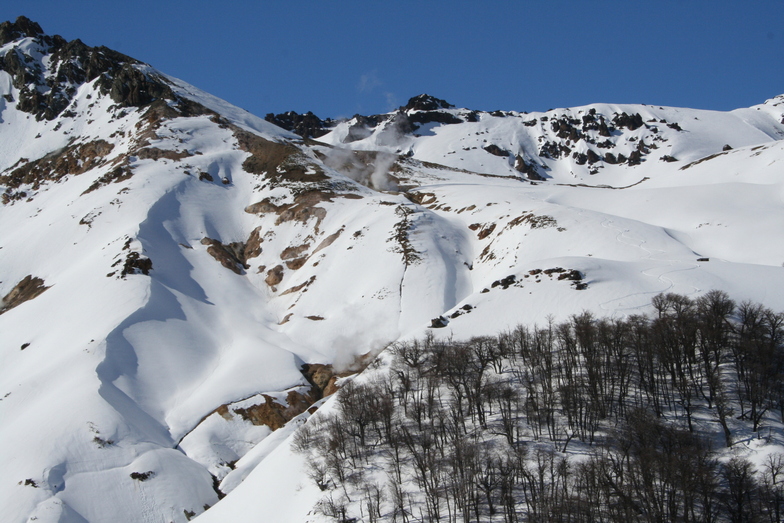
(196, 256)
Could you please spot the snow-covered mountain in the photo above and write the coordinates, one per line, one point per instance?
(184, 282)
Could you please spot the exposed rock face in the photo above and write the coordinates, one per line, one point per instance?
(135, 263)
(273, 414)
(278, 162)
(21, 28)
(253, 245)
(323, 379)
(27, 289)
(529, 169)
(434, 116)
(46, 90)
(306, 125)
(495, 150)
(231, 255)
(425, 102)
(631, 122)
(74, 159)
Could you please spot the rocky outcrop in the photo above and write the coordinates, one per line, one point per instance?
(46, 88)
(274, 276)
(74, 159)
(434, 116)
(273, 413)
(231, 255)
(631, 122)
(30, 287)
(529, 169)
(136, 263)
(425, 102)
(306, 125)
(278, 162)
(495, 150)
(322, 378)
(21, 28)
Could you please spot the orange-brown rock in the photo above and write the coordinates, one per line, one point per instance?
(27, 289)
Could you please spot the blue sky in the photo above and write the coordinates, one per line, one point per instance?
(338, 58)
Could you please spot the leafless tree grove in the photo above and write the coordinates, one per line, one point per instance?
(590, 420)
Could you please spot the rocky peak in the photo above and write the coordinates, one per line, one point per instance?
(21, 28)
(306, 125)
(425, 102)
(47, 90)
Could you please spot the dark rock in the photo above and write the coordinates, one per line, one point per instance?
(135, 263)
(572, 275)
(21, 28)
(425, 102)
(604, 130)
(727, 147)
(550, 150)
(505, 283)
(439, 323)
(631, 122)
(528, 169)
(565, 128)
(495, 150)
(306, 125)
(434, 116)
(589, 121)
(142, 476)
(592, 157)
(129, 87)
(46, 93)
